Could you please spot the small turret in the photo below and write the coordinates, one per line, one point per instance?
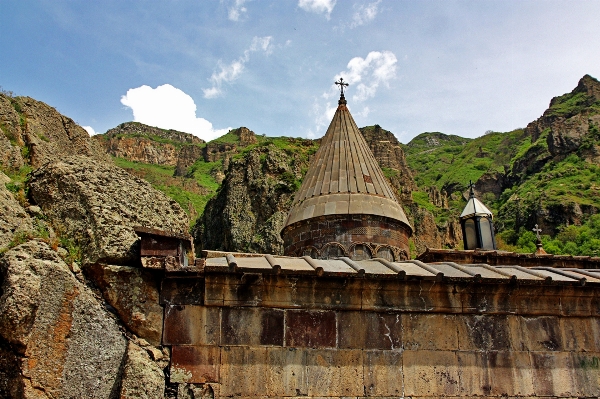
(477, 225)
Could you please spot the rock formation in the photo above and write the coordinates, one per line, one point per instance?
(66, 344)
(98, 204)
(249, 210)
(40, 134)
(142, 143)
(59, 335)
(389, 154)
(14, 219)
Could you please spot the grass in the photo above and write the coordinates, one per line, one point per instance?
(191, 194)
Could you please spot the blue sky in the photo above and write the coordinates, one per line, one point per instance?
(459, 67)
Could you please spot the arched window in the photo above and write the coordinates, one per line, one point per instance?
(360, 252)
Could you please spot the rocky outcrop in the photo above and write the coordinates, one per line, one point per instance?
(187, 156)
(142, 377)
(133, 293)
(570, 125)
(142, 143)
(141, 149)
(389, 154)
(437, 197)
(249, 210)
(13, 218)
(97, 205)
(136, 129)
(65, 342)
(429, 234)
(40, 133)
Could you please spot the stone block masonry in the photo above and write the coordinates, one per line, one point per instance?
(274, 336)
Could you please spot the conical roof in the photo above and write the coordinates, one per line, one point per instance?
(475, 207)
(344, 177)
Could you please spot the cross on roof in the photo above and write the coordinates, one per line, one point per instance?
(471, 189)
(537, 231)
(341, 83)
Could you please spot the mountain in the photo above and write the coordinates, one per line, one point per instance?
(66, 211)
(544, 174)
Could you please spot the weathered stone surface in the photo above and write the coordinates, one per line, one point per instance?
(192, 325)
(383, 374)
(46, 133)
(252, 326)
(69, 344)
(553, 374)
(431, 373)
(11, 385)
(286, 372)
(334, 372)
(380, 330)
(142, 378)
(243, 371)
(313, 329)
(98, 204)
(13, 218)
(429, 331)
(133, 292)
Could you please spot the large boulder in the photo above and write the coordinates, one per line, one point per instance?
(67, 344)
(13, 218)
(133, 292)
(142, 378)
(41, 133)
(98, 205)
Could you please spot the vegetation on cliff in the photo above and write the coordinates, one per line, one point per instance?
(544, 174)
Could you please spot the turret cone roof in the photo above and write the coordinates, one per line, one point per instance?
(344, 177)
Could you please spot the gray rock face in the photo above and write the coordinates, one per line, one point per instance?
(133, 292)
(13, 218)
(68, 345)
(98, 205)
(250, 209)
(10, 135)
(142, 378)
(45, 133)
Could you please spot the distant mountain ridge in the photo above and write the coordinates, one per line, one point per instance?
(527, 176)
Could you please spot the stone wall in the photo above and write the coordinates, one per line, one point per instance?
(252, 334)
(356, 236)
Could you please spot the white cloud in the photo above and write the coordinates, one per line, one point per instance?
(168, 107)
(369, 73)
(229, 73)
(318, 6)
(90, 130)
(365, 14)
(236, 10)
(364, 75)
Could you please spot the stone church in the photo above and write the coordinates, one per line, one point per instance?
(348, 314)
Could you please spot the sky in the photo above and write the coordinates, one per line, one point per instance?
(204, 67)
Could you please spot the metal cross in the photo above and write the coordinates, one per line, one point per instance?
(471, 187)
(341, 83)
(537, 231)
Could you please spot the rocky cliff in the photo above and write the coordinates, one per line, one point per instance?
(253, 202)
(34, 133)
(251, 206)
(142, 143)
(71, 323)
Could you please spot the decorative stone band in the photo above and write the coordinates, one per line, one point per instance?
(358, 237)
(347, 204)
